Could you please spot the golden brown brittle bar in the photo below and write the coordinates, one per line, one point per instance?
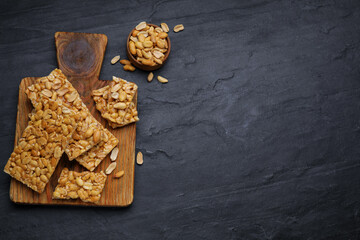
(95, 155)
(117, 102)
(85, 185)
(41, 145)
(89, 132)
(58, 88)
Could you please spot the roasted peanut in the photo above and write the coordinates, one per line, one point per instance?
(146, 55)
(178, 28)
(139, 45)
(125, 62)
(139, 158)
(119, 174)
(164, 27)
(110, 168)
(134, 33)
(139, 53)
(141, 26)
(129, 68)
(115, 59)
(150, 77)
(160, 43)
(147, 44)
(132, 48)
(148, 62)
(162, 79)
(141, 37)
(163, 35)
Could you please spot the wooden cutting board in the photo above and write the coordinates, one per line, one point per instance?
(80, 56)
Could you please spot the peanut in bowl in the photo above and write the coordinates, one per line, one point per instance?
(148, 46)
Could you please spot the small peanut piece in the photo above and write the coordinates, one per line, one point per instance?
(119, 174)
(89, 133)
(79, 182)
(110, 168)
(139, 158)
(115, 59)
(125, 62)
(128, 67)
(114, 154)
(150, 77)
(178, 28)
(141, 26)
(132, 48)
(120, 106)
(162, 79)
(164, 27)
(147, 62)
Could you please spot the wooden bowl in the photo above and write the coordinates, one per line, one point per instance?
(138, 64)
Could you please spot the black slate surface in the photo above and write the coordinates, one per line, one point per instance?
(256, 135)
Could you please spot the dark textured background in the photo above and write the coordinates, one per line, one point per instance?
(256, 135)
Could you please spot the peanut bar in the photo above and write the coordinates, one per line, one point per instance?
(95, 155)
(58, 88)
(85, 185)
(130, 115)
(41, 145)
(116, 102)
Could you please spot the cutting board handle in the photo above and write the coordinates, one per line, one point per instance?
(80, 55)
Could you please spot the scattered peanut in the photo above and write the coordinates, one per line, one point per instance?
(178, 28)
(128, 67)
(119, 174)
(162, 79)
(114, 154)
(110, 168)
(139, 158)
(125, 62)
(115, 59)
(150, 77)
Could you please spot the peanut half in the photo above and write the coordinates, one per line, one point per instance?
(164, 27)
(115, 59)
(125, 62)
(128, 67)
(139, 158)
(110, 168)
(119, 174)
(162, 79)
(141, 26)
(114, 154)
(150, 77)
(178, 28)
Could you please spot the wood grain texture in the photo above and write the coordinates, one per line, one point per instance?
(80, 57)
